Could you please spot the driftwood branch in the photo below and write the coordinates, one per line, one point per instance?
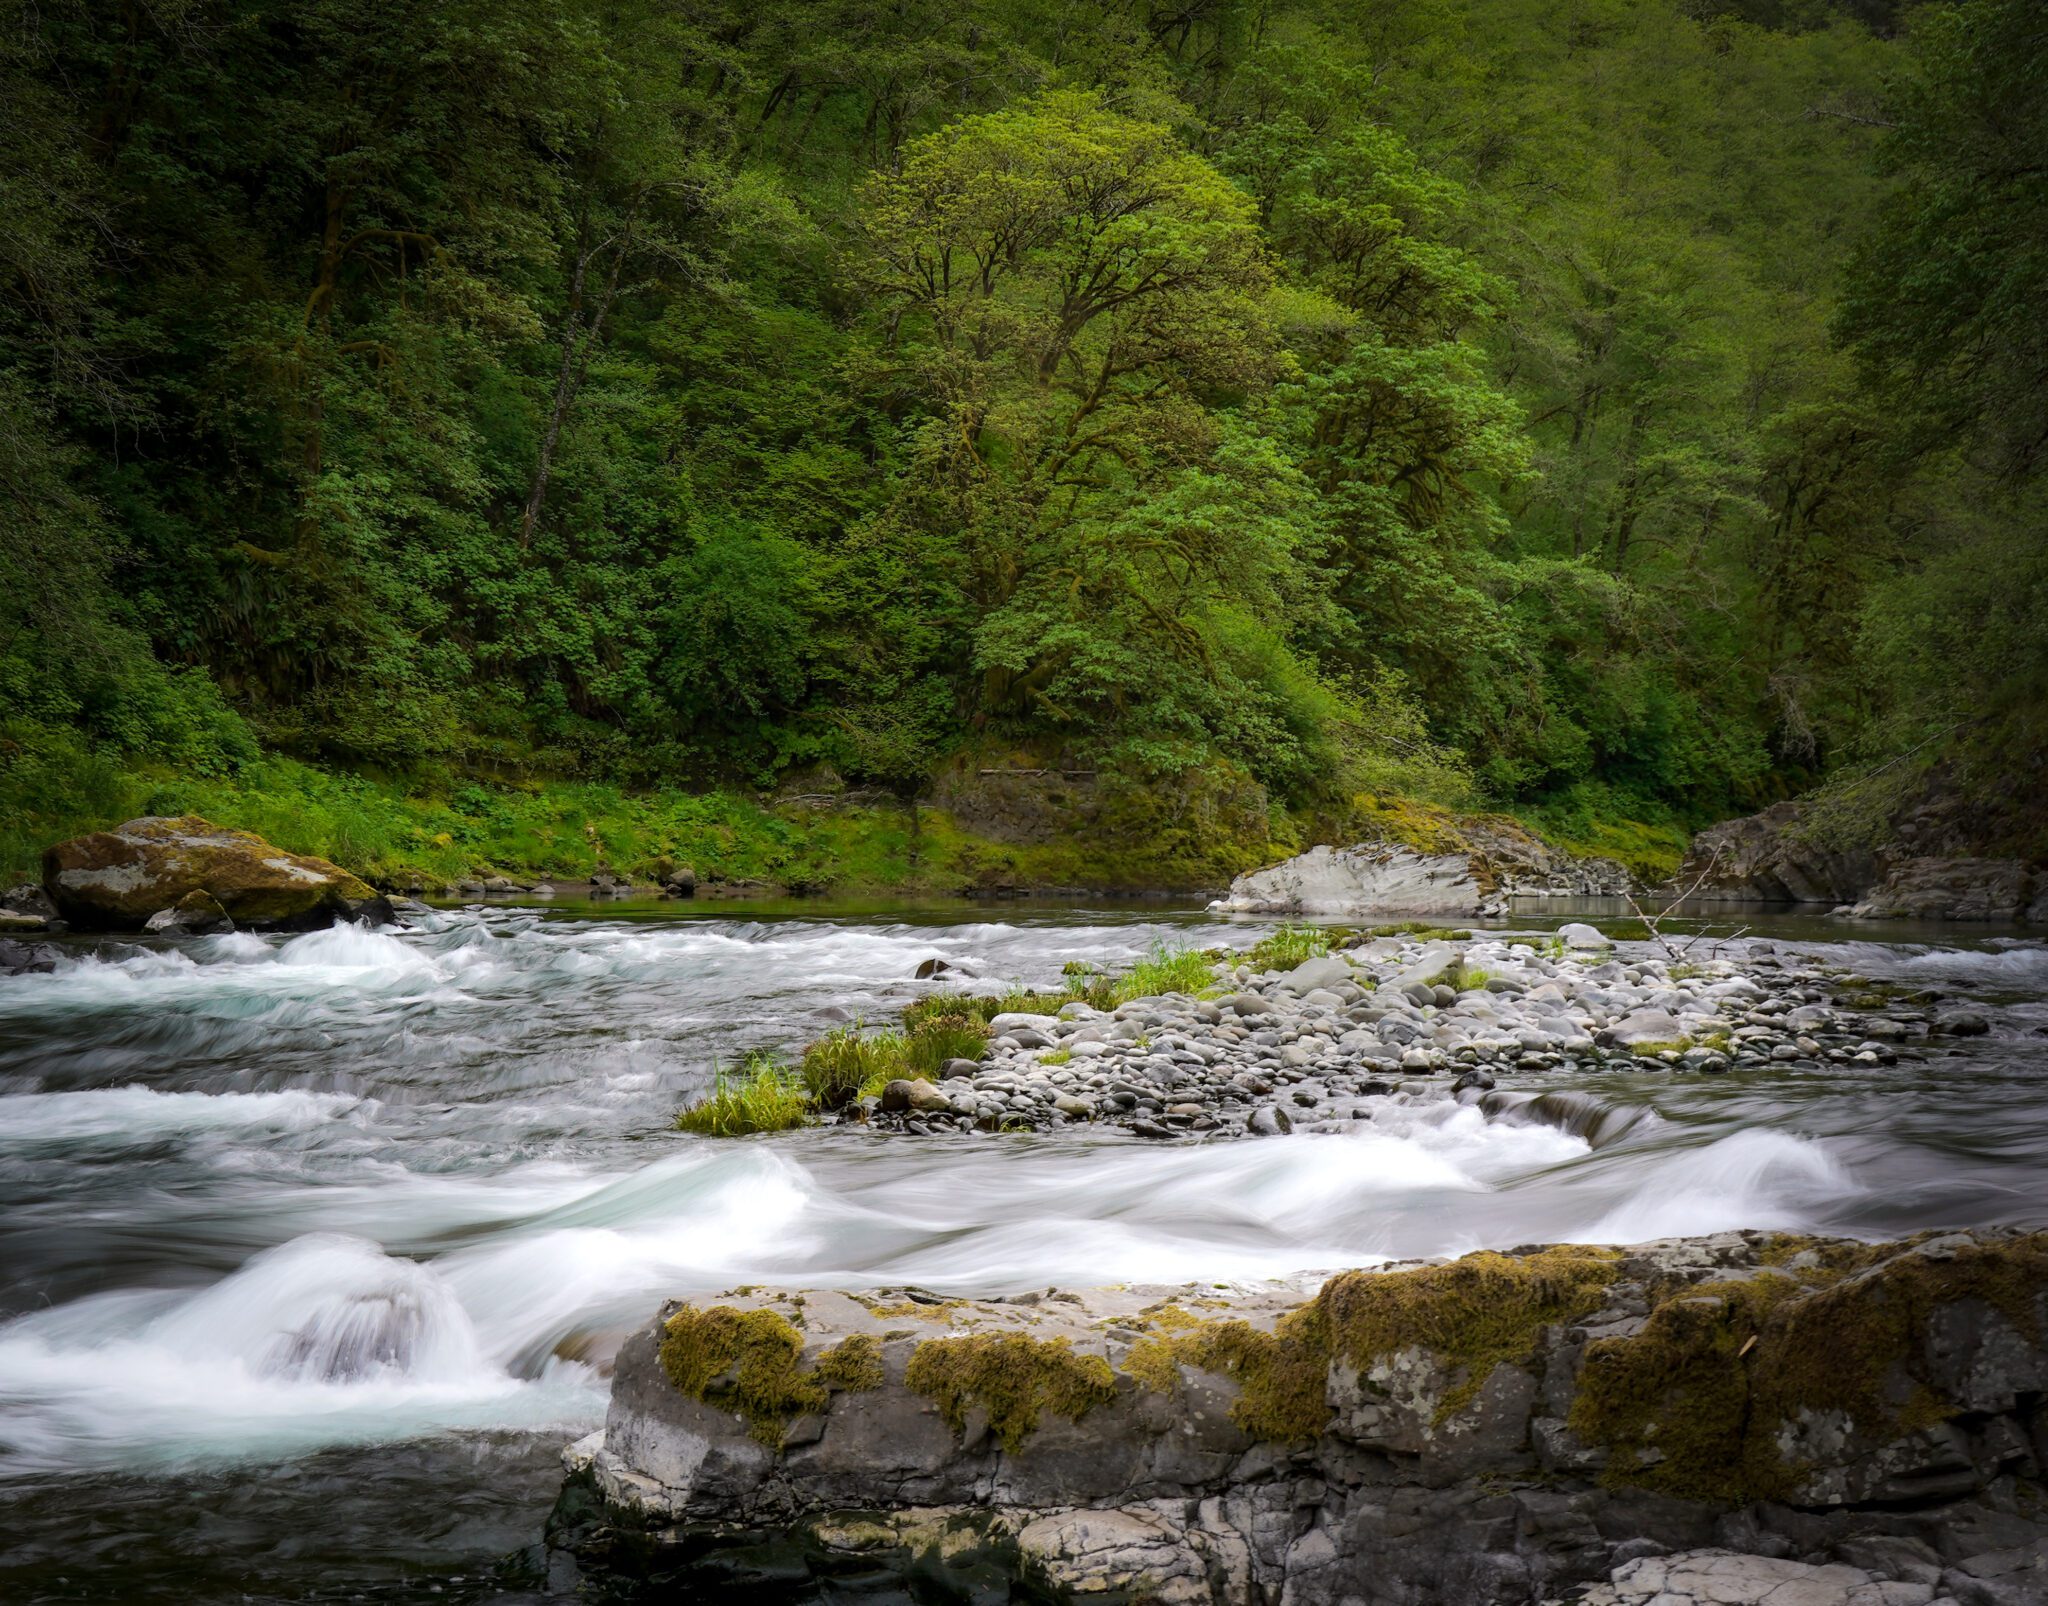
(1654, 922)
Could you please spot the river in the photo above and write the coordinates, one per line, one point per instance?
(313, 1248)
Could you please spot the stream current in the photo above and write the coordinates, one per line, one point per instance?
(314, 1248)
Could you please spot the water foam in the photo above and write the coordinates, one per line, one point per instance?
(323, 1340)
(1763, 1179)
(138, 1114)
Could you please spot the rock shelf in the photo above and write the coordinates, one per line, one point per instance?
(1729, 1419)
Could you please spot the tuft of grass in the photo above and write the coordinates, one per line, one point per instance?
(1166, 970)
(939, 1038)
(1288, 947)
(843, 1064)
(1471, 978)
(1056, 1056)
(763, 1096)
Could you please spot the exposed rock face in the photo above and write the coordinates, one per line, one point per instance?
(1762, 857)
(1368, 879)
(118, 879)
(1766, 857)
(1492, 863)
(1954, 889)
(1856, 1424)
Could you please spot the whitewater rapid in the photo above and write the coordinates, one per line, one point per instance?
(269, 1195)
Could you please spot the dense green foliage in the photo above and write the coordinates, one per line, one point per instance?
(1630, 408)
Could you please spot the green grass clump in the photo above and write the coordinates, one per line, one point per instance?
(1288, 947)
(939, 1038)
(763, 1097)
(843, 1064)
(1056, 1056)
(1471, 978)
(1166, 970)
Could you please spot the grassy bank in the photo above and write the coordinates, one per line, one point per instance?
(396, 833)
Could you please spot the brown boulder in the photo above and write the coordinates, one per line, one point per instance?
(119, 878)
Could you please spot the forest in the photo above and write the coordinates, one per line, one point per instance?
(1603, 411)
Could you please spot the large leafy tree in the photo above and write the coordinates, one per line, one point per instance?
(1075, 297)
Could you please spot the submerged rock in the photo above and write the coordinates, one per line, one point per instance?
(117, 879)
(1502, 1428)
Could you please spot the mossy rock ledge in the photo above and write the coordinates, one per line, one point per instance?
(116, 880)
(1500, 1428)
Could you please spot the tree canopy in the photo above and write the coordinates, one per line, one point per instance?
(1629, 404)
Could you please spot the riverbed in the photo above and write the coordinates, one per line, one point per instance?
(313, 1248)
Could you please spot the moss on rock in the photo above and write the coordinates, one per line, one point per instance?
(1012, 1377)
(1695, 1403)
(750, 1362)
(1479, 1312)
(1476, 1313)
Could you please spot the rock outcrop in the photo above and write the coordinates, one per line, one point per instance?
(1694, 1420)
(1771, 858)
(1765, 858)
(1490, 862)
(119, 879)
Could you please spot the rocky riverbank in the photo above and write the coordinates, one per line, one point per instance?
(1394, 1022)
(1736, 1418)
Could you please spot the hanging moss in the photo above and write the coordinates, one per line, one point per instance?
(750, 1362)
(1693, 1404)
(1012, 1377)
(1283, 1377)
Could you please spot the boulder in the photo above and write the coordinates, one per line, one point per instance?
(27, 958)
(117, 879)
(1487, 862)
(1365, 880)
(197, 914)
(28, 899)
(1332, 970)
(1667, 1422)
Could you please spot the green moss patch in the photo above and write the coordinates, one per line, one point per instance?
(1692, 1404)
(1480, 1312)
(1012, 1377)
(750, 1362)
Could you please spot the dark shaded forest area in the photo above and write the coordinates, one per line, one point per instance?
(1626, 409)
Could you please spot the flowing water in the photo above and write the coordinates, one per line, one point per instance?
(313, 1249)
